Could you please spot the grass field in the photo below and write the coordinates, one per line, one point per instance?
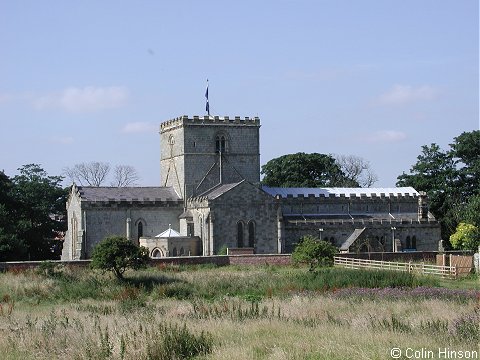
(233, 313)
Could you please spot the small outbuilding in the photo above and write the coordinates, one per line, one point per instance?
(171, 243)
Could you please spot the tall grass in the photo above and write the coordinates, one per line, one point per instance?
(234, 313)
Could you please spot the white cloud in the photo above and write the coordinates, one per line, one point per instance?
(89, 98)
(386, 136)
(403, 94)
(138, 127)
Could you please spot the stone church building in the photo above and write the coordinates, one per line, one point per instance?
(211, 199)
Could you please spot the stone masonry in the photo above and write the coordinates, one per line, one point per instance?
(211, 194)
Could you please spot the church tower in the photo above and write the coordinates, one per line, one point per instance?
(199, 153)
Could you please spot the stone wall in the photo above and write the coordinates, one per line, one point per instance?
(378, 232)
(244, 204)
(188, 152)
(112, 220)
(254, 260)
(172, 246)
(72, 245)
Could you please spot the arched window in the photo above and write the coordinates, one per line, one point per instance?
(190, 229)
(139, 230)
(414, 242)
(251, 234)
(240, 234)
(408, 242)
(182, 252)
(332, 240)
(174, 251)
(156, 253)
(220, 143)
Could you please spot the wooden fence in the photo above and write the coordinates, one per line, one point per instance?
(450, 271)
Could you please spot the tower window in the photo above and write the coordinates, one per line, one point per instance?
(220, 144)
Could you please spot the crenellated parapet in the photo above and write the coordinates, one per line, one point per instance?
(406, 193)
(209, 120)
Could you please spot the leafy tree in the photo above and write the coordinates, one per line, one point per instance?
(117, 254)
(466, 153)
(304, 170)
(8, 242)
(40, 211)
(439, 174)
(315, 252)
(467, 237)
(471, 212)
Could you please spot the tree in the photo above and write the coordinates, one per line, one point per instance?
(466, 237)
(465, 151)
(117, 254)
(450, 178)
(435, 173)
(357, 170)
(303, 170)
(11, 247)
(124, 175)
(96, 174)
(315, 252)
(40, 211)
(471, 211)
(92, 174)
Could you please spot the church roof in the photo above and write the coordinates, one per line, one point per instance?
(337, 192)
(168, 233)
(219, 190)
(91, 193)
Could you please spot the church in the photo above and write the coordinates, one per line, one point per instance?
(211, 201)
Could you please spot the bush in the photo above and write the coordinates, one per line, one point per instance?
(173, 342)
(317, 253)
(117, 254)
(466, 236)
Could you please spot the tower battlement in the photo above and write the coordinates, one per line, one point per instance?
(209, 120)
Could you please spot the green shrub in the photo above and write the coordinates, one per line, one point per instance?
(173, 342)
(317, 253)
(117, 254)
(223, 250)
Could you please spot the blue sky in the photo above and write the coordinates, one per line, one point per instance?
(92, 80)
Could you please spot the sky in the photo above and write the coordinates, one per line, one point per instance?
(92, 80)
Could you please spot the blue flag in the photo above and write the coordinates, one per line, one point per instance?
(207, 105)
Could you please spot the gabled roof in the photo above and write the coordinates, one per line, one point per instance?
(168, 234)
(337, 192)
(90, 193)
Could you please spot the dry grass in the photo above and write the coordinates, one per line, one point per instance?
(125, 323)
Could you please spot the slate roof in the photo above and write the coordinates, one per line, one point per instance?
(90, 193)
(347, 192)
(219, 190)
